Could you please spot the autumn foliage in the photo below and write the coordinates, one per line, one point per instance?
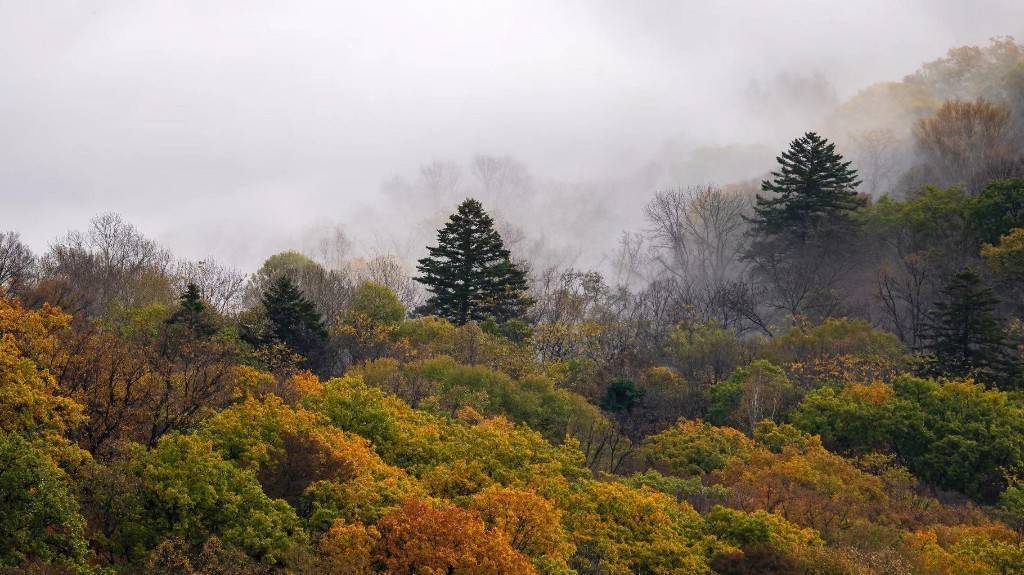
(815, 383)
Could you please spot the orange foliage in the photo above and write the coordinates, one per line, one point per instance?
(420, 539)
(532, 523)
(305, 383)
(805, 484)
(876, 393)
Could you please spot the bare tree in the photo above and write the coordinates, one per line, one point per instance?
(499, 177)
(578, 315)
(112, 262)
(391, 272)
(631, 259)
(666, 214)
(698, 231)
(715, 221)
(697, 236)
(877, 157)
(905, 291)
(329, 245)
(566, 295)
(802, 281)
(967, 143)
(222, 286)
(17, 263)
(143, 388)
(735, 304)
(442, 180)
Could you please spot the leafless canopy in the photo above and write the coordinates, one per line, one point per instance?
(697, 232)
(17, 263)
(111, 262)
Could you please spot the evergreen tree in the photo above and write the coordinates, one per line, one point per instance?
(801, 248)
(469, 273)
(622, 394)
(812, 192)
(193, 313)
(292, 319)
(965, 336)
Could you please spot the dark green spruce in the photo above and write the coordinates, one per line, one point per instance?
(812, 193)
(292, 319)
(965, 337)
(469, 273)
(193, 313)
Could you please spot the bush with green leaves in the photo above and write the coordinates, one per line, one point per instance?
(189, 491)
(39, 518)
(955, 434)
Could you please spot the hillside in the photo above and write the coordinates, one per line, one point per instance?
(823, 376)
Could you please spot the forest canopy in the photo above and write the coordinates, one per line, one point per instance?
(822, 375)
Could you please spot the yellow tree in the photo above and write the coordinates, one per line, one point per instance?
(621, 530)
(532, 523)
(300, 457)
(30, 401)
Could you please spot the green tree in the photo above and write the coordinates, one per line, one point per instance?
(368, 326)
(998, 209)
(692, 448)
(622, 394)
(189, 491)
(757, 529)
(1006, 258)
(469, 273)
(1006, 262)
(377, 303)
(291, 319)
(39, 518)
(858, 418)
(1011, 505)
(954, 434)
(965, 336)
(813, 191)
(754, 392)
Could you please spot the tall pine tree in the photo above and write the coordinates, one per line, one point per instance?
(965, 337)
(813, 192)
(292, 320)
(469, 274)
(801, 234)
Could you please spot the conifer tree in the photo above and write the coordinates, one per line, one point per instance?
(965, 336)
(469, 274)
(193, 313)
(813, 191)
(622, 394)
(292, 319)
(802, 233)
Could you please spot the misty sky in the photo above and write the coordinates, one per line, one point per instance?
(226, 128)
